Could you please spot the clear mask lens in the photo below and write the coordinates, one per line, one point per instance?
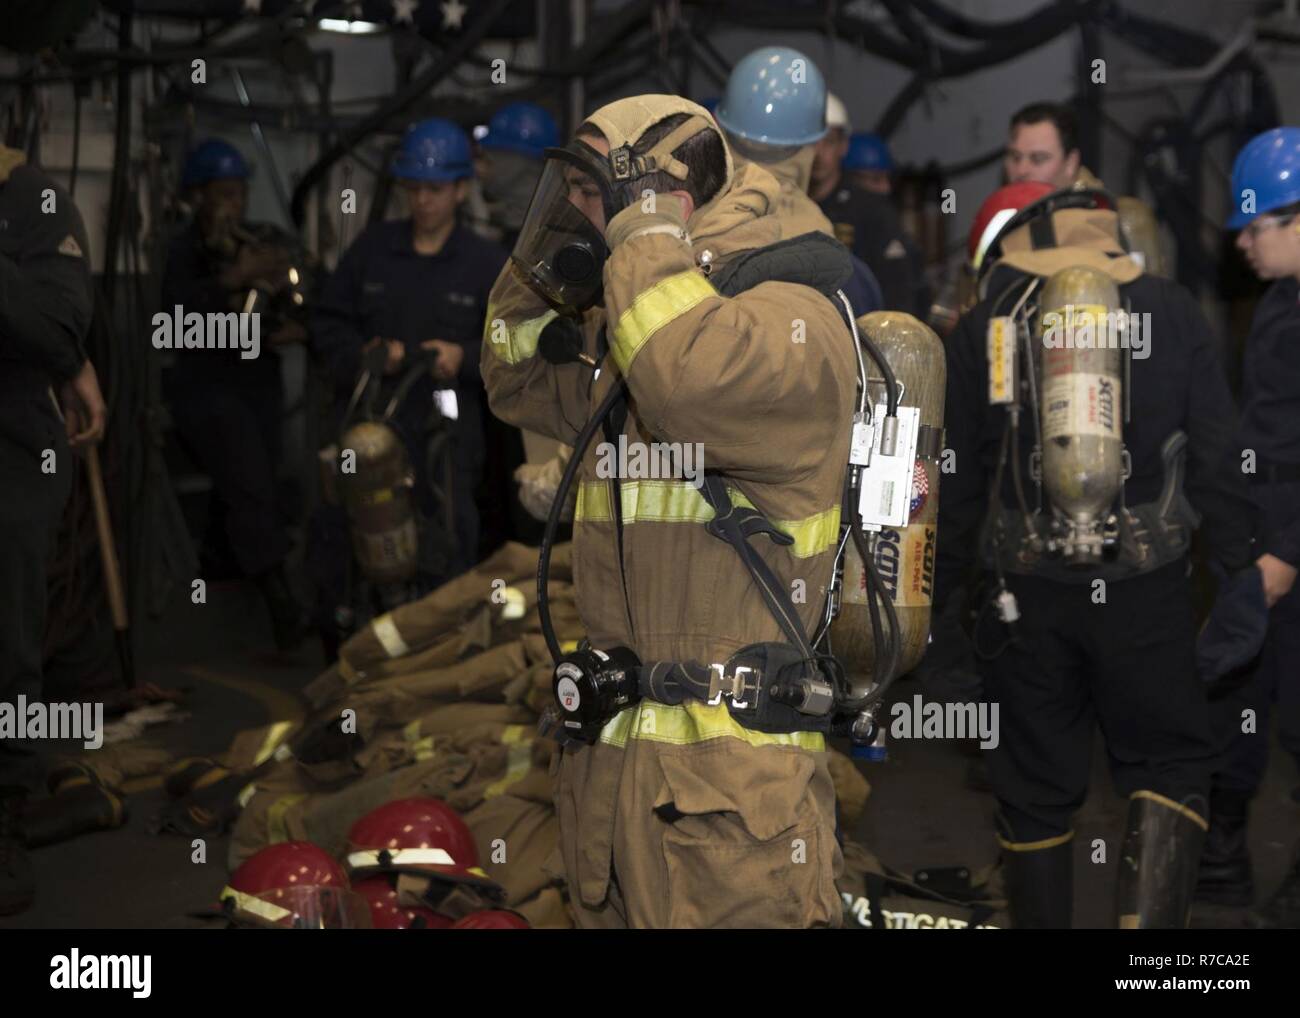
(561, 249)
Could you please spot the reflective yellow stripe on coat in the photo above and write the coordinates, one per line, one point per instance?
(681, 502)
(692, 722)
(653, 309)
(517, 343)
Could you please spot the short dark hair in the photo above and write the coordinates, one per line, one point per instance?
(703, 154)
(1060, 116)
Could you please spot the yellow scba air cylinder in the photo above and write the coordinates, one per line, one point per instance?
(375, 483)
(1141, 231)
(904, 556)
(1081, 408)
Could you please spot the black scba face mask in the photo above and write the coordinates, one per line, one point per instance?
(561, 250)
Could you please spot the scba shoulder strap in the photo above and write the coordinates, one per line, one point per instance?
(735, 525)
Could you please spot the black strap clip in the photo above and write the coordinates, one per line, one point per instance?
(737, 522)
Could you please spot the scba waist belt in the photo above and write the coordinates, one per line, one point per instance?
(767, 687)
(756, 684)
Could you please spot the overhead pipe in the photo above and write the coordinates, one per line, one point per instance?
(377, 120)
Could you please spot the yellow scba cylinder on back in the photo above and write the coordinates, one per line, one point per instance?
(1081, 409)
(904, 556)
(375, 482)
(1141, 230)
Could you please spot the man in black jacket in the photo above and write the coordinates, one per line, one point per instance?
(46, 302)
(1113, 641)
(416, 287)
(227, 405)
(1266, 200)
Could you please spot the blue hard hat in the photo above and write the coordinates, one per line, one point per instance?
(525, 128)
(775, 96)
(1267, 169)
(214, 159)
(868, 151)
(434, 149)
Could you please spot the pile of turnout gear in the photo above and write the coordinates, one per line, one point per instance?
(430, 711)
(437, 699)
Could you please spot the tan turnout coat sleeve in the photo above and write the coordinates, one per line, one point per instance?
(523, 388)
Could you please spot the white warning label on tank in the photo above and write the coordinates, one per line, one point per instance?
(1081, 403)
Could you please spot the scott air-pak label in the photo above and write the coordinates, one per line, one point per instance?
(1081, 403)
(904, 558)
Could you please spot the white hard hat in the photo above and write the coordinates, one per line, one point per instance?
(836, 114)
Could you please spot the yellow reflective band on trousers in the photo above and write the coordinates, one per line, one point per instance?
(680, 502)
(276, 830)
(518, 733)
(275, 734)
(692, 722)
(654, 308)
(519, 761)
(517, 343)
(420, 748)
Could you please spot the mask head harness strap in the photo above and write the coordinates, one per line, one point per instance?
(624, 122)
(627, 165)
(1038, 215)
(1042, 233)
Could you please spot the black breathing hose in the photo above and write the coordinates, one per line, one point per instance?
(889, 646)
(891, 380)
(580, 445)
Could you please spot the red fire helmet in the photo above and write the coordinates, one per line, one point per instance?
(387, 913)
(419, 835)
(997, 211)
(296, 885)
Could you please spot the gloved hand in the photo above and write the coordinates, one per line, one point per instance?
(669, 216)
(539, 483)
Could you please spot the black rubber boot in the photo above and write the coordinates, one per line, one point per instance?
(287, 620)
(17, 880)
(77, 809)
(1282, 910)
(1158, 861)
(1039, 880)
(1225, 874)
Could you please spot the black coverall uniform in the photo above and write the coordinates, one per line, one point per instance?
(382, 287)
(1270, 426)
(228, 412)
(868, 225)
(46, 302)
(1128, 663)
